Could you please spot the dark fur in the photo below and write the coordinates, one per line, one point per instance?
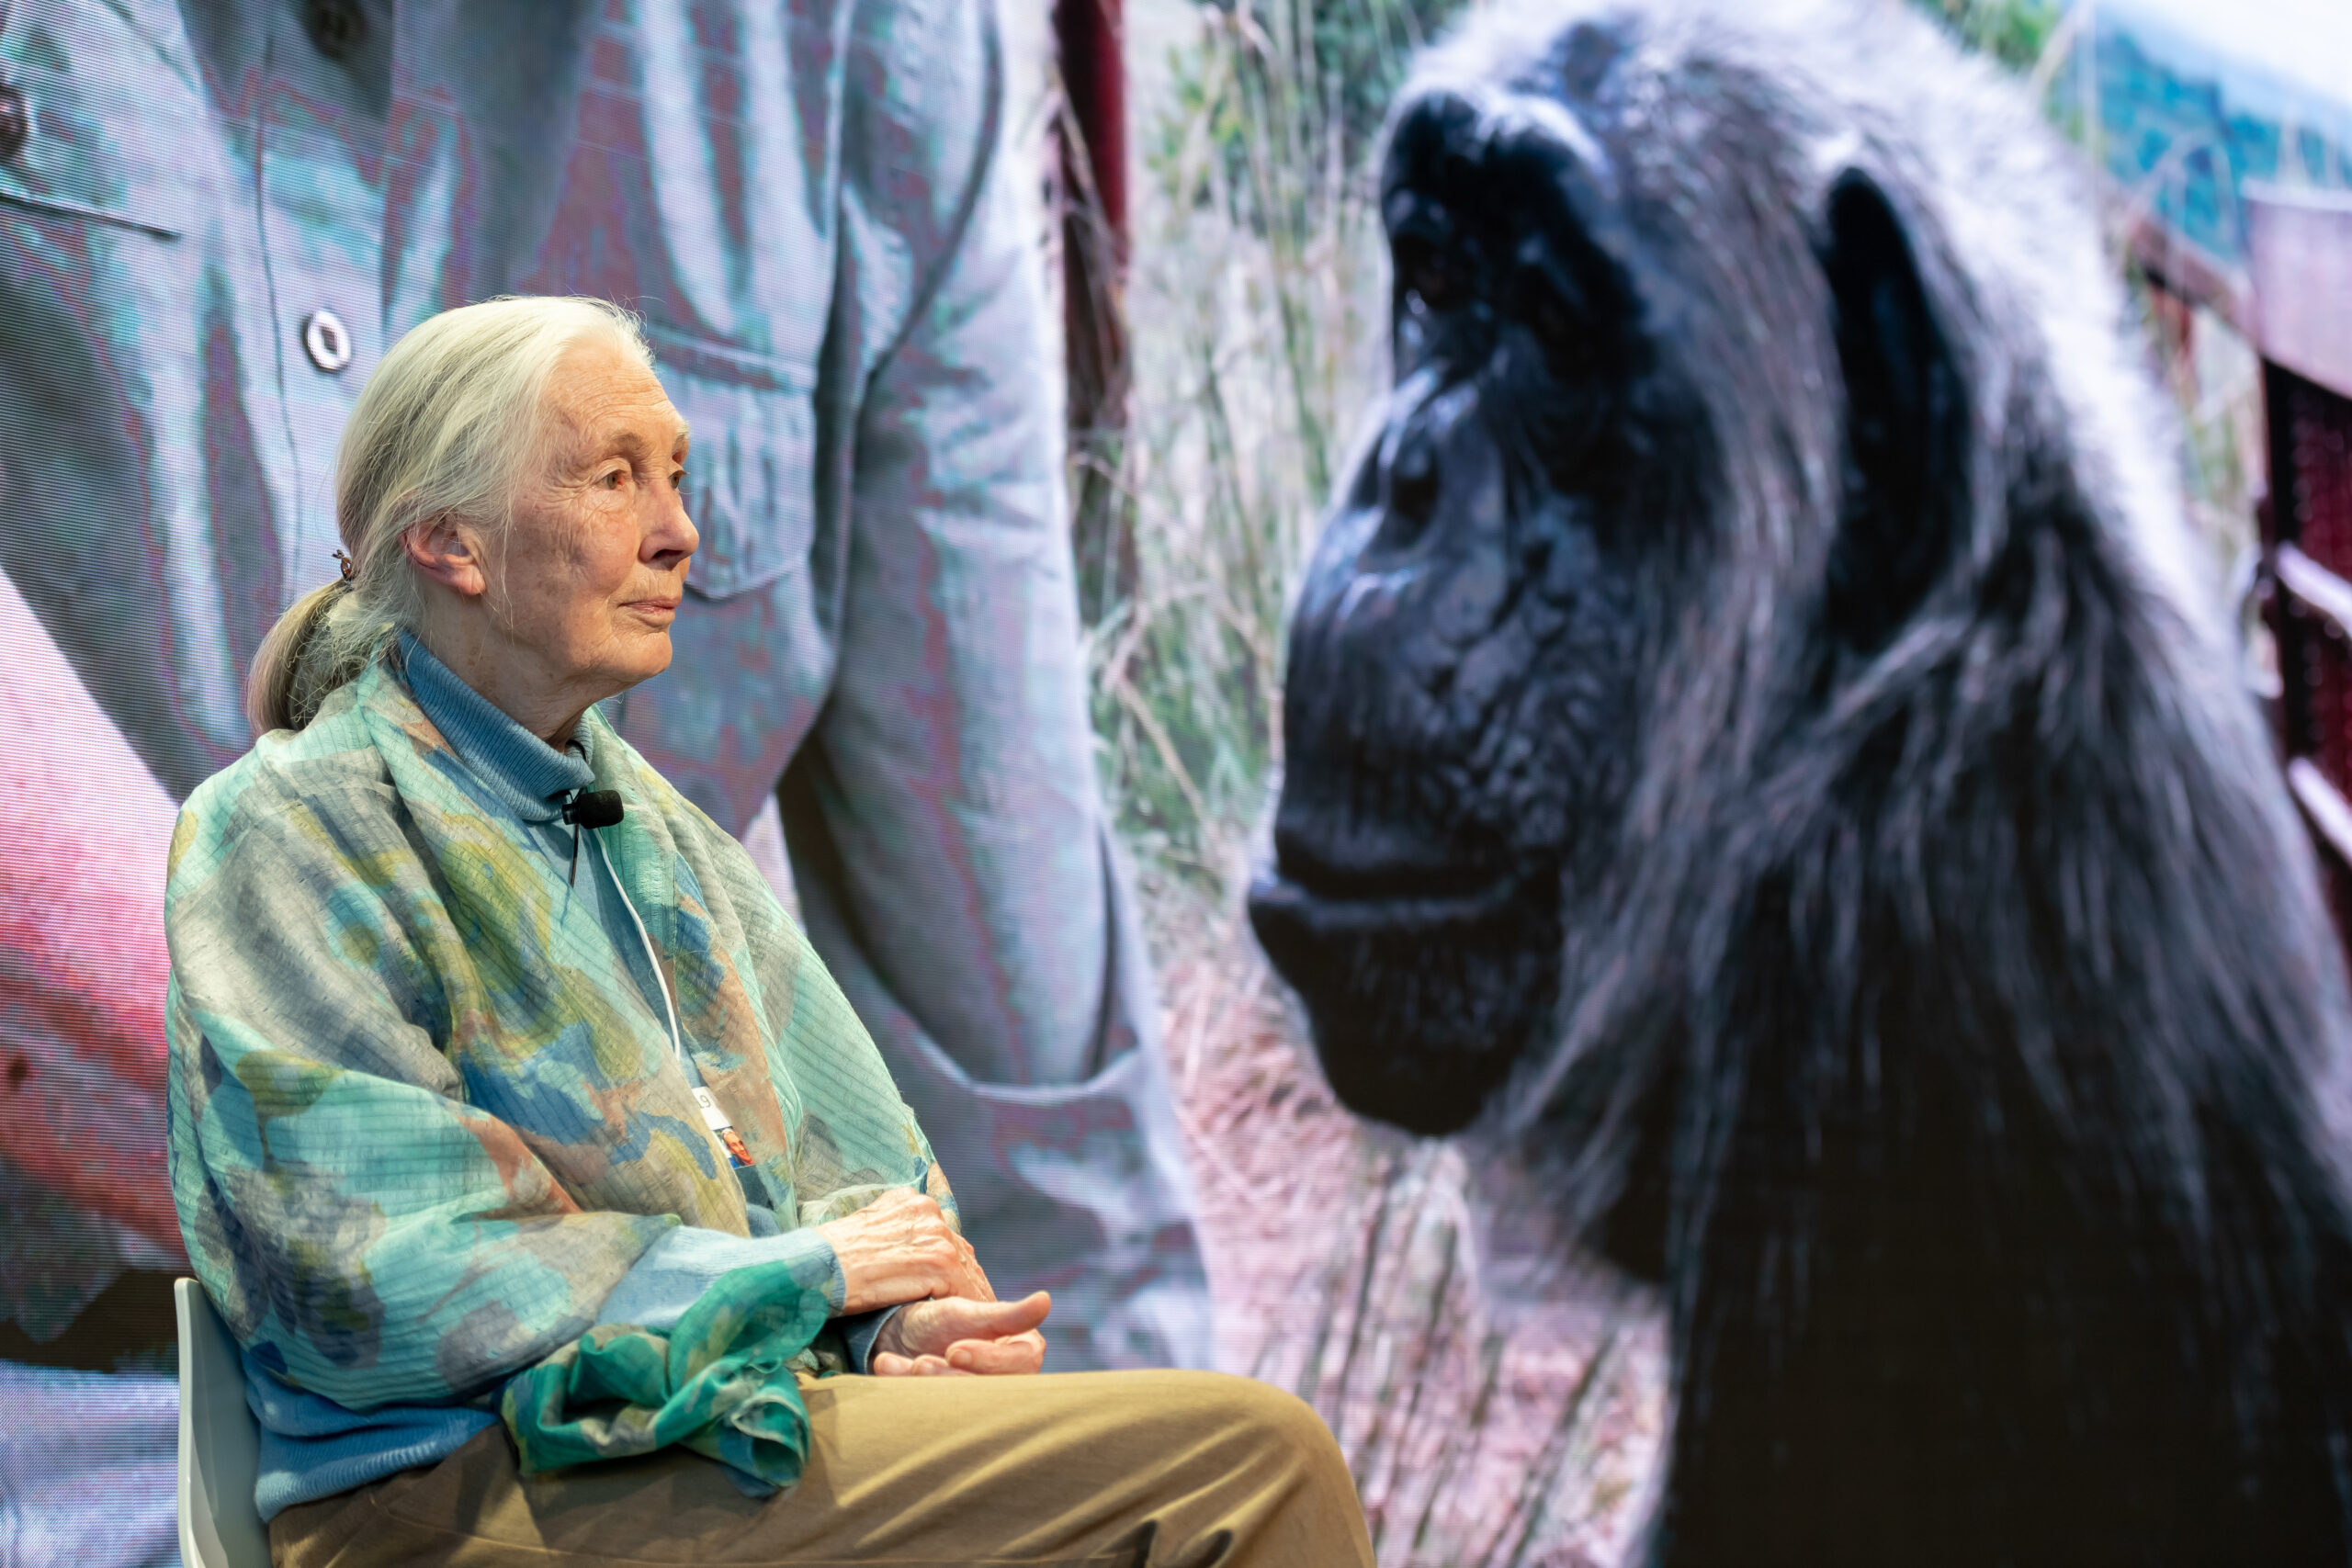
(1760, 756)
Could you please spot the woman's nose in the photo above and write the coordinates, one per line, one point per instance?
(673, 534)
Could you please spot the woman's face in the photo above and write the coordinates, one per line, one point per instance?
(591, 572)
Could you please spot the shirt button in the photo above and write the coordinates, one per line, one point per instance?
(336, 27)
(326, 340)
(16, 121)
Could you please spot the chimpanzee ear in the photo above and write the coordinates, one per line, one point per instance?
(1906, 424)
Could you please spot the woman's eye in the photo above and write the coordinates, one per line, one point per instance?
(613, 480)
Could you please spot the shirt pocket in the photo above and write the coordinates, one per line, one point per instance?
(751, 466)
(112, 106)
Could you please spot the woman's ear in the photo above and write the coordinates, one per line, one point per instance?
(448, 551)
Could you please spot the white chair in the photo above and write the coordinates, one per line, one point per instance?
(220, 1443)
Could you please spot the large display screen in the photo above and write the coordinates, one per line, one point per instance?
(1066, 876)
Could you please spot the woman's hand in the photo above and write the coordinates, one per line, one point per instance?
(956, 1337)
(901, 1249)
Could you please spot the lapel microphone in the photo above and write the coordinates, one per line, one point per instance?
(594, 808)
(590, 808)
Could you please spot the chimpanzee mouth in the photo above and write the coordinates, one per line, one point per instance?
(1423, 979)
(1337, 896)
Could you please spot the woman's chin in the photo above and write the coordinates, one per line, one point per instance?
(643, 620)
(630, 659)
(647, 652)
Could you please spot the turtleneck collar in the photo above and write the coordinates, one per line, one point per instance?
(519, 768)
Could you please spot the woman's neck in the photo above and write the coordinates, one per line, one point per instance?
(515, 681)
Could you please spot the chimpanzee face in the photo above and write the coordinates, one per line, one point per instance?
(1630, 318)
(1459, 727)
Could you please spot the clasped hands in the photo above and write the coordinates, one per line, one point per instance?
(900, 1249)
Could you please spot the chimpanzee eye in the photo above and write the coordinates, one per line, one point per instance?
(1425, 272)
(1432, 284)
(1557, 319)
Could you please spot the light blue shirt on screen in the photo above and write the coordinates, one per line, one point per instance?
(223, 214)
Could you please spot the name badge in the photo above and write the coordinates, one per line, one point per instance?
(739, 1153)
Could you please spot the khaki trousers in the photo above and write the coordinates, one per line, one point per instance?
(1157, 1468)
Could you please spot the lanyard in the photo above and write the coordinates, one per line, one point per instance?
(739, 1153)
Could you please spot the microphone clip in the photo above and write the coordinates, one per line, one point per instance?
(594, 808)
(589, 809)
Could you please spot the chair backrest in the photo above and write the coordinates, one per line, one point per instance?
(220, 1443)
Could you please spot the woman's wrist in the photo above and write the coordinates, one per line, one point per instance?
(890, 1338)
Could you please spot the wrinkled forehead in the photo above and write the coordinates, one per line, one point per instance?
(1484, 164)
(1641, 147)
(1507, 179)
(1443, 135)
(601, 400)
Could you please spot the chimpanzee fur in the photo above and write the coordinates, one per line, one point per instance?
(1763, 755)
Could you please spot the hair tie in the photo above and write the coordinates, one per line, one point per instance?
(350, 569)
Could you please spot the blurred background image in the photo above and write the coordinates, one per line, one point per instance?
(1193, 185)
(1496, 1413)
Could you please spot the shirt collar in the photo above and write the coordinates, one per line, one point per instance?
(519, 768)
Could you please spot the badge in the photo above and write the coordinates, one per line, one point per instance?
(738, 1152)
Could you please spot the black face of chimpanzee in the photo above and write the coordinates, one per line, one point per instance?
(1614, 354)
(1464, 656)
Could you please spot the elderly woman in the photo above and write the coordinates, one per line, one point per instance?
(542, 1172)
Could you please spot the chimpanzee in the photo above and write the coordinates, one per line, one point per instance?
(1764, 757)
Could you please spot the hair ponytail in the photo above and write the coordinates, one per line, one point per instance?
(290, 677)
(448, 425)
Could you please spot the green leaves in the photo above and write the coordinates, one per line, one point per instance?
(2014, 33)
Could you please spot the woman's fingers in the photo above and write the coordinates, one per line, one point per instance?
(1002, 1320)
(1019, 1353)
(935, 1329)
(887, 1365)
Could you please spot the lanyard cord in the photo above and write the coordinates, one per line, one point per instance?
(677, 1041)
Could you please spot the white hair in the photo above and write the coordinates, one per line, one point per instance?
(450, 426)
